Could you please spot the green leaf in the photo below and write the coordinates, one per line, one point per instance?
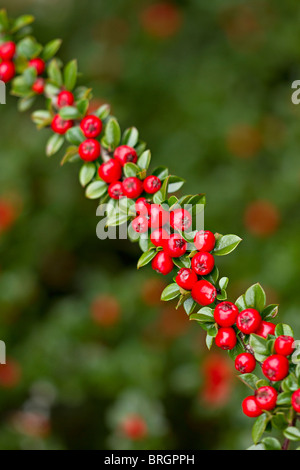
(113, 133)
(25, 103)
(205, 315)
(257, 447)
(54, 73)
(283, 329)
(170, 292)
(144, 160)
(51, 49)
(226, 244)
(69, 112)
(70, 75)
(21, 22)
(271, 443)
(75, 135)
(174, 184)
(161, 172)
(290, 383)
(70, 155)
(292, 433)
(4, 22)
(54, 144)
(223, 282)
(102, 112)
(130, 137)
(182, 262)
(30, 76)
(96, 189)
(130, 169)
(20, 87)
(270, 312)
(255, 297)
(209, 341)
(82, 106)
(146, 258)
(29, 48)
(259, 427)
(117, 218)
(279, 421)
(41, 118)
(259, 345)
(161, 195)
(189, 305)
(241, 303)
(284, 398)
(250, 380)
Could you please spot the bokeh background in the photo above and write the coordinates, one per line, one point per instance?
(94, 359)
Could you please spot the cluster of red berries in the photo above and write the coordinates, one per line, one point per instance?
(7, 66)
(265, 399)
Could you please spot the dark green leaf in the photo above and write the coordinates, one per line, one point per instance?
(113, 133)
(21, 22)
(70, 75)
(54, 73)
(170, 292)
(174, 184)
(29, 48)
(292, 433)
(86, 174)
(226, 244)
(54, 144)
(96, 189)
(271, 443)
(282, 329)
(75, 135)
(259, 427)
(250, 380)
(51, 49)
(146, 258)
(255, 297)
(130, 137)
(144, 160)
(69, 112)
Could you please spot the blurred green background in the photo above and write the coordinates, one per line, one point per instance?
(95, 360)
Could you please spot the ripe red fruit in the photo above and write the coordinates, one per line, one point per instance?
(134, 428)
(266, 398)
(65, 98)
(7, 71)
(225, 314)
(248, 321)
(204, 293)
(91, 126)
(275, 367)
(162, 263)
(284, 345)
(110, 171)
(296, 400)
(251, 407)
(226, 338)
(186, 278)
(152, 184)
(140, 224)
(265, 328)
(175, 246)
(125, 154)
(39, 86)
(142, 206)
(203, 263)
(158, 216)
(204, 240)
(245, 363)
(38, 64)
(132, 187)
(180, 219)
(7, 50)
(89, 150)
(115, 190)
(59, 125)
(159, 236)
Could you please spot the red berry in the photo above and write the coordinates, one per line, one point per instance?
(59, 125)
(125, 154)
(65, 98)
(132, 187)
(142, 206)
(266, 398)
(248, 321)
(226, 338)
(265, 328)
(152, 184)
(158, 216)
(7, 71)
(175, 246)
(162, 263)
(180, 219)
(134, 427)
(284, 345)
(140, 224)
(186, 278)
(275, 367)
(91, 126)
(225, 314)
(204, 293)
(245, 363)
(89, 150)
(110, 171)
(115, 190)
(204, 240)
(296, 400)
(159, 236)
(39, 86)
(251, 407)
(203, 263)
(38, 64)
(7, 50)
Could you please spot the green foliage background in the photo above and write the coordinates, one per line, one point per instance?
(213, 101)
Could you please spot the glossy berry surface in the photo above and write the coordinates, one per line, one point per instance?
(162, 263)
(7, 50)
(266, 398)
(251, 407)
(248, 321)
(65, 98)
(7, 71)
(180, 219)
(158, 216)
(175, 246)
(110, 171)
(125, 154)
(39, 86)
(140, 224)
(152, 184)
(38, 64)
(275, 367)
(204, 293)
(115, 190)
(245, 363)
(203, 263)
(91, 126)
(142, 206)
(61, 126)
(284, 345)
(204, 240)
(186, 278)
(132, 187)
(159, 236)
(225, 314)
(265, 328)
(226, 338)
(89, 150)
(296, 401)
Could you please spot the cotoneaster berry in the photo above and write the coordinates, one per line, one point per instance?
(245, 363)
(204, 293)
(91, 126)
(265, 328)
(7, 71)
(39, 86)
(248, 321)
(158, 216)
(140, 224)
(275, 367)
(175, 246)
(186, 278)
(38, 64)
(203, 263)
(204, 240)
(142, 206)
(7, 50)
(180, 219)
(115, 190)
(159, 236)
(225, 314)
(162, 263)
(89, 150)
(65, 98)
(134, 428)
(152, 184)
(266, 398)
(125, 154)
(61, 126)
(132, 187)
(284, 345)
(226, 338)
(251, 408)
(296, 401)
(110, 171)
